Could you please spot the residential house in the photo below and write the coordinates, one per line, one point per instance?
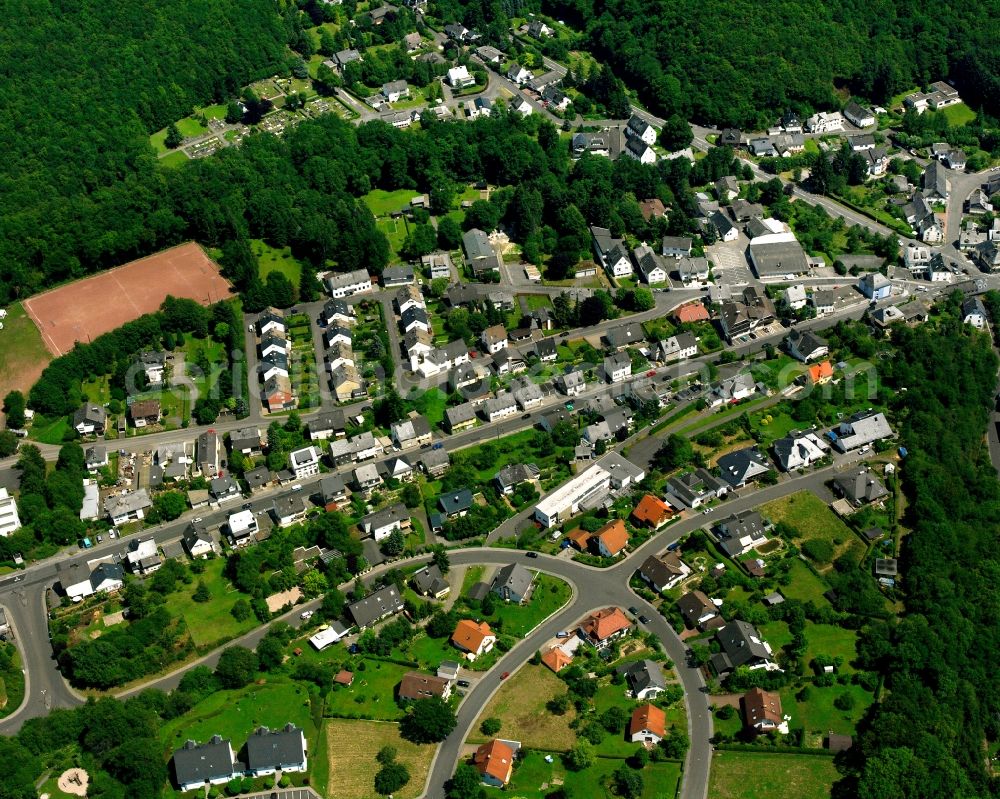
(675, 247)
(697, 609)
(143, 556)
(331, 424)
(622, 336)
(732, 389)
(271, 751)
(936, 184)
(805, 346)
(692, 271)
(594, 143)
(556, 659)
(271, 321)
(652, 512)
(859, 115)
(304, 462)
(527, 395)
(95, 458)
(366, 477)
(277, 393)
(751, 310)
(539, 29)
(644, 678)
(414, 431)
(648, 725)
(90, 419)
(473, 638)
(337, 335)
(494, 339)
(241, 528)
(618, 367)
(346, 284)
(338, 312)
(511, 476)
(415, 319)
(513, 583)
(663, 573)
(821, 372)
(795, 297)
(862, 429)
(611, 540)
(459, 77)
(332, 491)
(694, 489)
(382, 523)
(640, 151)
(518, 74)
(489, 55)
(495, 763)
(199, 765)
(860, 487)
(346, 383)
(648, 265)
(106, 578)
(691, 312)
(456, 503)
(198, 541)
(778, 255)
(825, 122)
(378, 605)
(399, 275)
(742, 645)
(223, 489)
(724, 228)
(458, 33)
(546, 350)
(741, 532)
(289, 509)
(395, 90)
(799, 450)
(460, 417)
(500, 407)
(743, 466)
(246, 441)
(572, 383)
(974, 313)
(603, 627)
(430, 582)
(438, 264)
(130, 506)
(875, 286)
(762, 710)
(435, 462)
(727, 188)
(416, 686)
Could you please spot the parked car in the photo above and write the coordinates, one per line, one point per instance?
(464, 683)
(439, 445)
(306, 614)
(505, 675)
(644, 619)
(532, 554)
(634, 610)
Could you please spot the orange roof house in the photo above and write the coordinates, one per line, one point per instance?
(652, 512)
(692, 312)
(473, 638)
(495, 762)
(579, 538)
(612, 539)
(556, 659)
(648, 724)
(602, 627)
(344, 677)
(821, 372)
(762, 709)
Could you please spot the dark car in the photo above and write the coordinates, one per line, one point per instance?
(353, 649)
(526, 416)
(644, 619)
(634, 610)
(532, 554)
(464, 683)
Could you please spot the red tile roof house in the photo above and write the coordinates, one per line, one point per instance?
(495, 762)
(602, 627)
(556, 659)
(762, 710)
(472, 638)
(415, 685)
(612, 539)
(648, 725)
(652, 512)
(692, 312)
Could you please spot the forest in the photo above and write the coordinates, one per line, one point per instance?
(941, 705)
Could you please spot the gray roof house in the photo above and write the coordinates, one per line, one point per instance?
(625, 335)
(861, 429)
(697, 487)
(479, 253)
(804, 345)
(742, 466)
(860, 487)
(196, 765)
(509, 477)
(742, 645)
(644, 678)
(376, 606)
(457, 503)
(278, 750)
(512, 583)
(429, 581)
(741, 532)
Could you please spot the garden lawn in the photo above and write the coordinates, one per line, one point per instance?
(174, 159)
(659, 779)
(52, 432)
(394, 230)
(383, 203)
(748, 775)
(11, 684)
(828, 639)
(236, 714)
(958, 115)
(520, 706)
(429, 404)
(549, 595)
(23, 355)
(473, 575)
(772, 425)
(813, 518)
(191, 127)
(372, 693)
(537, 301)
(271, 259)
(212, 621)
(351, 746)
(819, 715)
(805, 585)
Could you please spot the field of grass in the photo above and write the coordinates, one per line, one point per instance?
(11, 683)
(473, 575)
(748, 775)
(429, 404)
(210, 621)
(191, 127)
(819, 715)
(174, 159)
(813, 518)
(158, 141)
(351, 749)
(383, 203)
(804, 585)
(520, 706)
(828, 639)
(536, 301)
(372, 693)
(958, 115)
(217, 111)
(549, 595)
(51, 432)
(22, 353)
(394, 230)
(530, 774)
(772, 425)
(271, 259)
(236, 714)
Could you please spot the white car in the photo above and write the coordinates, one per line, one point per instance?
(306, 614)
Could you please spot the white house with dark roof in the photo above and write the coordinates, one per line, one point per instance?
(304, 462)
(199, 765)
